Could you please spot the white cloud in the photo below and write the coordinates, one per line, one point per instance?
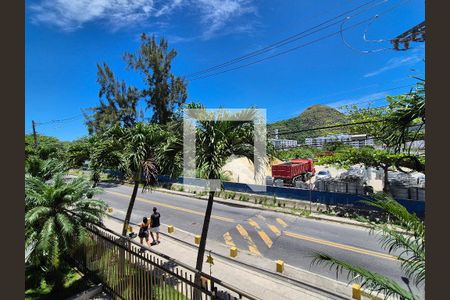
(396, 62)
(216, 13)
(70, 15)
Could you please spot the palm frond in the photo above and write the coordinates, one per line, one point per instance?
(405, 220)
(373, 282)
(36, 214)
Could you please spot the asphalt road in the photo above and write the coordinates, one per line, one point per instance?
(269, 234)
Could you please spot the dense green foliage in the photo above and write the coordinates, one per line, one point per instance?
(300, 152)
(118, 103)
(313, 117)
(39, 288)
(163, 93)
(47, 158)
(401, 121)
(134, 151)
(51, 231)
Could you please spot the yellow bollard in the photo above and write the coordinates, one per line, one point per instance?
(110, 210)
(197, 239)
(280, 266)
(356, 291)
(130, 229)
(233, 251)
(170, 229)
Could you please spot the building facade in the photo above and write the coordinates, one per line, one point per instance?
(283, 143)
(356, 140)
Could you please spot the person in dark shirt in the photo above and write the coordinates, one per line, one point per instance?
(154, 225)
(143, 230)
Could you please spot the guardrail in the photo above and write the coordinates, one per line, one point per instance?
(128, 272)
(328, 198)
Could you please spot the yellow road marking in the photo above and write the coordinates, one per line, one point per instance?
(274, 229)
(261, 233)
(282, 223)
(228, 239)
(340, 246)
(253, 223)
(251, 245)
(265, 238)
(175, 207)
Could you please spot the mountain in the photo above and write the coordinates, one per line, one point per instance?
(313, 117)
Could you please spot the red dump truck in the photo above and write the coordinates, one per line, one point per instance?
(293, 170)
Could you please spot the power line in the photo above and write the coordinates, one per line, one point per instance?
(332, 126)
(60, 120)
(201, 76)
(278, 44)
(297, 47)
(365, 101)
(341, 125)
(376, 92)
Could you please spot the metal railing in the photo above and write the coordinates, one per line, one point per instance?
(129, 271)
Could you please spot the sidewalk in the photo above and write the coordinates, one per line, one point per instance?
(252, 281)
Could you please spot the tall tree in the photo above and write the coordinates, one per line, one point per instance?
(118, 103)
(407, 119)
(401, 121)
(164, 91)
(135, 152)
(217, 139)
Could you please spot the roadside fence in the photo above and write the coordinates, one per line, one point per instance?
(131, 272)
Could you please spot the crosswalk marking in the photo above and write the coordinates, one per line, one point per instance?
(253, 224)
(261, 233)
(228, 239)
(282, 223)
(274, 229)
(265, 238)
(251, 245)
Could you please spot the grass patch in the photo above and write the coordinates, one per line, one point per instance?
(74, 283)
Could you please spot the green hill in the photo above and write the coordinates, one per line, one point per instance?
(313, 117)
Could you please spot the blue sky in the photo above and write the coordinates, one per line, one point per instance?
(65, 39)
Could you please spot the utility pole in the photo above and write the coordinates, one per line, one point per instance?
(34, 132)
(415, 34)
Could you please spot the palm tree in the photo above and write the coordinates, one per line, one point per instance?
(218, 140)
(51, 231)
(44, 169)
(410, 242)
(135, 151)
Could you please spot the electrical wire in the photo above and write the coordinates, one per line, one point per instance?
(288, 40)
(60, 120)
(364, 36)
(280, 43)
(300, 46)
(332, 126)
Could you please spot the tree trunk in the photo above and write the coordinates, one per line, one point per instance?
(201, 248)
(130, 206)
(386, 188)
